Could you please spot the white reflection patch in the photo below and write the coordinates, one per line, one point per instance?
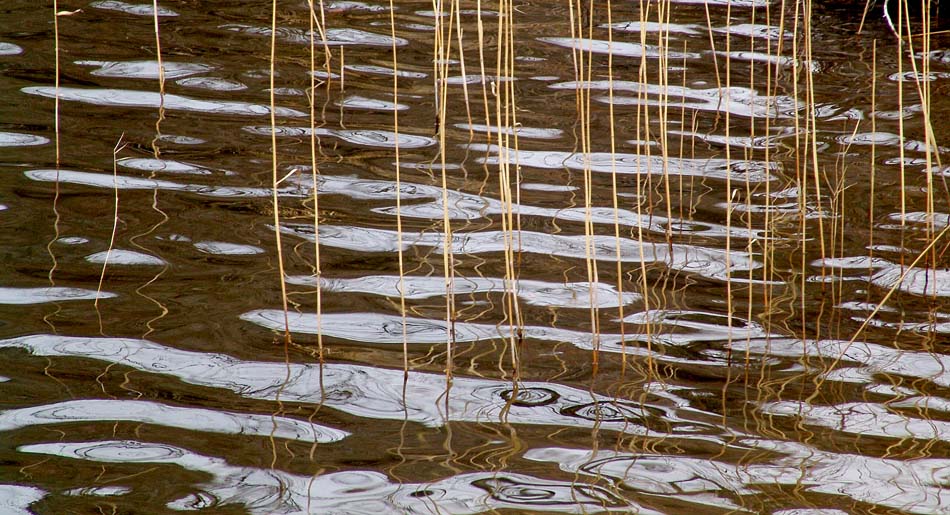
(194, 419)
(536, 293)
(25, 296)
(382, 394)
(272, 491)
(151, 99)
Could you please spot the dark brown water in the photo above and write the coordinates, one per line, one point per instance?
(758, 229)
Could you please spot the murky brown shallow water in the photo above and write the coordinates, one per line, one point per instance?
(176, 392)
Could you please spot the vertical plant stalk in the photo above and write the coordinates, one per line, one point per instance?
(399, 242)
(584, 70)
(613, 187)
(115, 228)
(503, 91)
(751, 243)
(812, 123)
(801, 175)
(725, 98)
(663, 76)
(873, 165)
(56, 96)
(643, 135)
(767, 216)
(275, 181)
(443, 45)
(513, 124)
(923, 92)
(480, 29)
(56, 216)
(276, 207)
(156, 153)
(161, 84)
(593, 278)
(317, 269)
(900, 130)
(461, 47)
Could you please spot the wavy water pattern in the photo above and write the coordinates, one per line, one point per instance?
(120, 182)
(706, 262)
(17, 139)
(134, 9)
(735, 100)
(536, 293)
(485, 258)
(910, 486)
(365, 137)
(193, 419)
(376, 393)
(21, 296)
(153, 100)
(355, 492)
(334, 36)
(621, 163)
(144, 69)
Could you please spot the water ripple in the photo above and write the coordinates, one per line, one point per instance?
(383, 70)
(869, 357)
(346, 5)
(101, 180)
(99, 491)
(680, 327)
(755, 30)
(822, 478)
(10, 49)
(650, 26)
(735, 100)
(194, 419)
(535, 293)
(144, 69)
(887, 275)
(162, 165)
(18, 139)
(705, 483)
(211, 84)
(16, 499)
(618, 48)
(729, 3)
(222, 248)
(864, 419)
(706, 262)
(378, 328)
(521, 132)
(134, 9)
(334, 36)
(124, 257)
(362, 137)
(22, 296)
(621, 163)
(135, 98)
(356, 492)
(369, 392)
(464, 206)
(360, 102)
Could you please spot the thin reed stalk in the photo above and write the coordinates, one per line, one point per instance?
(615, 197)
(399, 235)
(56, 145)
(275, 203)
(315, 169)
(115, 227)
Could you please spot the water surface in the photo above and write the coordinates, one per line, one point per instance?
(689, 261)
